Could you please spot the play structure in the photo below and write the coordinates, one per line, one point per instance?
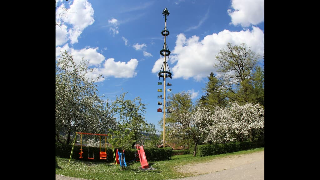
(119, 156)
(116, 156)
(122, 159)
(103, 154)
(142, 157)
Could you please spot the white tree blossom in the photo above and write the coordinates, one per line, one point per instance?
(234, 122)
(231, 123)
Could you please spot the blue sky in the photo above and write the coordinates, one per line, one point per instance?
(122, 39)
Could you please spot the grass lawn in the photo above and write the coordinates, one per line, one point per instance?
(163, 169)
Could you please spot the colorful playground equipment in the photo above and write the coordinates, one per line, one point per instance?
(119, 156)
(103, 154)
(142, 157)
(122, 159)
(116, 157)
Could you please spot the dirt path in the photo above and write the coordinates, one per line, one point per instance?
(244, 166)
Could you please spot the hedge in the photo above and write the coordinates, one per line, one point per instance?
(152, 154)
(213, 149)
(180, 152)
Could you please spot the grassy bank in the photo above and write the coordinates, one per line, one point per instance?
(163, 169)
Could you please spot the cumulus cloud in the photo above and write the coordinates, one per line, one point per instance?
(71, 22)
(246, 12)
(195, 58)
(61, 34)
(119, 69)
(79, 16)
(108, 68)
(157, 65)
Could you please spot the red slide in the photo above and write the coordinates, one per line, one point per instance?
(142, 157)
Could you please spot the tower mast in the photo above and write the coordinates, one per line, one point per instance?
(164, 52)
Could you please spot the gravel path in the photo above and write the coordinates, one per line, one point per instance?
(237, 167)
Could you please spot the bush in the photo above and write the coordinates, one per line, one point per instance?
(158, 154)
(213, 149)
(180, 152)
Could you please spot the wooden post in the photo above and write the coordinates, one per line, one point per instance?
(164, 88)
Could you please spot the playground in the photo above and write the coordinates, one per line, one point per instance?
(168, 169)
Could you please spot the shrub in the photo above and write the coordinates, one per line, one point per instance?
(213, 149)
(180, 152)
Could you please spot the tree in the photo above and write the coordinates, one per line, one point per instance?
(215, 93)
(258, 84)
(237, 63)
(239, 60)
(78, 106)
(234, 123)
(130, 121)
(184, 121)
(149, 137)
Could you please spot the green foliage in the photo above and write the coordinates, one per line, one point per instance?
(258, 85)
(181, 127)
(216, 94)
(238, 59)
(180, 152)
(242, 80)
(214, 149)
(130, 122)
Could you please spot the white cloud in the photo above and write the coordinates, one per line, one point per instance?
(246, 12)
(114, 26)
(89, 54)
(146, 54)
(139, 46)
(109, 68)
(79, 15)
(193, 94)
(157, 65)
(195, 58)
(119, 69)
(114, 30)
(125, 40)
(113, 21)
(61, 34)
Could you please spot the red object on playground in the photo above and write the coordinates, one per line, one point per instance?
(142, 157)
(117, 157)
(81, 152)
(103, 155)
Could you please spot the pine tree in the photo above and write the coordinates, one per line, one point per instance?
(215, 93)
